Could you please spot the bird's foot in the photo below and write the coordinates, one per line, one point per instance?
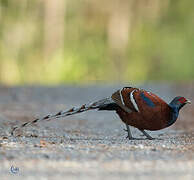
(147, 135)
(131, 138)
(150, 138)
(144, 134)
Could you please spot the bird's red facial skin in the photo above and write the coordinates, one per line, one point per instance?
(182, 100)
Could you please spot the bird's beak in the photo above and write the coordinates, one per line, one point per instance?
(188, 101)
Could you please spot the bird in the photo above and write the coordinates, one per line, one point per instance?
(136, 107)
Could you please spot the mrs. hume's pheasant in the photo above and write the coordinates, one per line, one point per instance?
(136, 107)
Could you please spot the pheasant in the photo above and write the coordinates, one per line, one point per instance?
(136, 107)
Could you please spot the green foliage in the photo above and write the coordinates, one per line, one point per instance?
(160, 42)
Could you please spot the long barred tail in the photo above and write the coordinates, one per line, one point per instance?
(101, 105)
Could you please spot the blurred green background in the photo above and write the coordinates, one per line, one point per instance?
(96, 41)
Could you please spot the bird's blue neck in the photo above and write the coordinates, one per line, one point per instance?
(175, 112)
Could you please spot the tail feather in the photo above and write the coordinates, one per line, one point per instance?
(100, 105)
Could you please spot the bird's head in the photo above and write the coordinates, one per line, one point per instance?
(178, 102)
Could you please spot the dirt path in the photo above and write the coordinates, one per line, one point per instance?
(91, 145)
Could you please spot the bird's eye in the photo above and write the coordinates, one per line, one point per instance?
(182, 100)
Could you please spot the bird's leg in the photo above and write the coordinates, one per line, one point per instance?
(146, 134)
(129, 136)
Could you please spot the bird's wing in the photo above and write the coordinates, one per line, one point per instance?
(125, 99)
(137, 100)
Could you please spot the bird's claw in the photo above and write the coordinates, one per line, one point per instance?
(150, 138)
(130, 138)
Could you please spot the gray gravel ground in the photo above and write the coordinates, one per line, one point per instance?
(91, 145)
